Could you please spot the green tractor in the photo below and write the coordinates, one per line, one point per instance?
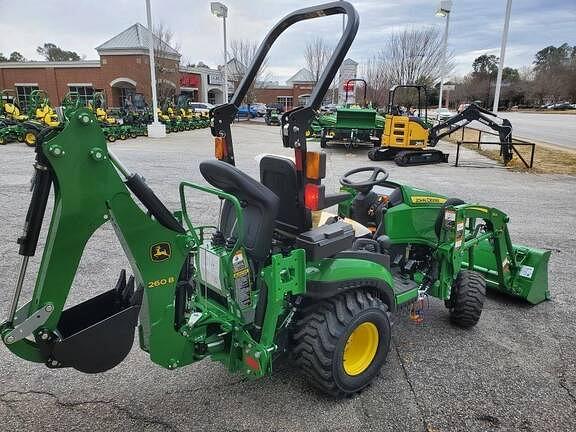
(262, 280)
(351, 125)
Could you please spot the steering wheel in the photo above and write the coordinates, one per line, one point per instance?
(378, 177)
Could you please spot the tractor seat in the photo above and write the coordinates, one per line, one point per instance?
(279, 175)
(260, 206)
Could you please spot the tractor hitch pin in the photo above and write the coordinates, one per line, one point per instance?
(19, 284)
(125, 171)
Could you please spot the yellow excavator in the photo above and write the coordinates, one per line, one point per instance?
(408, 136)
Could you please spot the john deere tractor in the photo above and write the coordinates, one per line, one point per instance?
(262, 280)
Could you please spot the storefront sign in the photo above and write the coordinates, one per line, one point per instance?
(189, 80)
(215, 79)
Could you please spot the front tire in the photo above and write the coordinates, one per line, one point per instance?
(467, 298)
(341, 343)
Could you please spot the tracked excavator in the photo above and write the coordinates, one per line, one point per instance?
(408, 138)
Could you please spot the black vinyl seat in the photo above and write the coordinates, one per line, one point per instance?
(260, 206)
(279, 175)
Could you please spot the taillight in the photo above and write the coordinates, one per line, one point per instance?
(312, 195)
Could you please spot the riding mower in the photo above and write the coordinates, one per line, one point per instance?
(111, 126)
(261, 281)
(272, 116)
(42, 116)
(407, 138)
(16, 126)
(10, 131)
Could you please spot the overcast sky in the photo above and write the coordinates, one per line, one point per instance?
(476, 25)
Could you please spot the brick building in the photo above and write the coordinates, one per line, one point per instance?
(296, 91)
(122, 72)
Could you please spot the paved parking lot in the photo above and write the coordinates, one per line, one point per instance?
(515, 371)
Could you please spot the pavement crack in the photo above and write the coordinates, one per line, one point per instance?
(562, 381)
(425, 424)
(150, 420)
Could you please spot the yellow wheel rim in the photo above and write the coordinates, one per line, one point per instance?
(307, 133)
(30, 138)
(360, 348)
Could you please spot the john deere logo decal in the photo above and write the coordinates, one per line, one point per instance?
(160, 252)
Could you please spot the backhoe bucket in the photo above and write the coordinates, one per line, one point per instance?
(529, 281)
(98, 334)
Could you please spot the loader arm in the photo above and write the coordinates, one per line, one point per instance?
(476, 237)
(474, 113)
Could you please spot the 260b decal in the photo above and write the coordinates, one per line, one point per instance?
(161, 282)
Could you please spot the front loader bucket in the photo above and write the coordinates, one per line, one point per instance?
(96, 335)
(529, 281)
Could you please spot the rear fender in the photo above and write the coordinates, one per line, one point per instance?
(329, 277)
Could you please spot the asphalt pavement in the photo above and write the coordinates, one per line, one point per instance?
(515, 371)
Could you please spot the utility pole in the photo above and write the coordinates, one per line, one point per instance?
(156, 129)
(502, 54)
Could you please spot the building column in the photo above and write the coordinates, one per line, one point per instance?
(203, 93)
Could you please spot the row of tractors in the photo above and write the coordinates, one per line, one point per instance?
(19, 125)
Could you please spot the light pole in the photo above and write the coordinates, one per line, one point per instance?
(156, 129)
(221, 11)
(443, 11)
(502, 53)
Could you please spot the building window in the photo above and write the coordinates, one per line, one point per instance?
(285, 101)
(211, 98)
(23, 94)
(84, 93)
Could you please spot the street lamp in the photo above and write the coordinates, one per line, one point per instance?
(444, 9)
(156, 129)
(221, 11)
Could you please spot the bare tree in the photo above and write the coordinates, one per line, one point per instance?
(167, 73)
(316, 56)
(411, 56)
(242, 53)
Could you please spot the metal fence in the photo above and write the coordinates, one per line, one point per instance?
(515, 143)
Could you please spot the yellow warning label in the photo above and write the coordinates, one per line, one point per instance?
(428, 200)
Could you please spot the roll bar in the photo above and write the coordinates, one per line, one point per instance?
(392, 93)
(223, 115)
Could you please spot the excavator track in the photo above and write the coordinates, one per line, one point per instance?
(420, 157)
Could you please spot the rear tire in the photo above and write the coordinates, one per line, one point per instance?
(467, 298)
(324, 351)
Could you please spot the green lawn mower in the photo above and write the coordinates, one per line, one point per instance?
(11, 131)
(272, 116)
(263, 280)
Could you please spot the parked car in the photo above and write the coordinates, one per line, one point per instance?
(248, 112)
(444, 114)
(200, 107)
(562, 106)
(260, 108)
